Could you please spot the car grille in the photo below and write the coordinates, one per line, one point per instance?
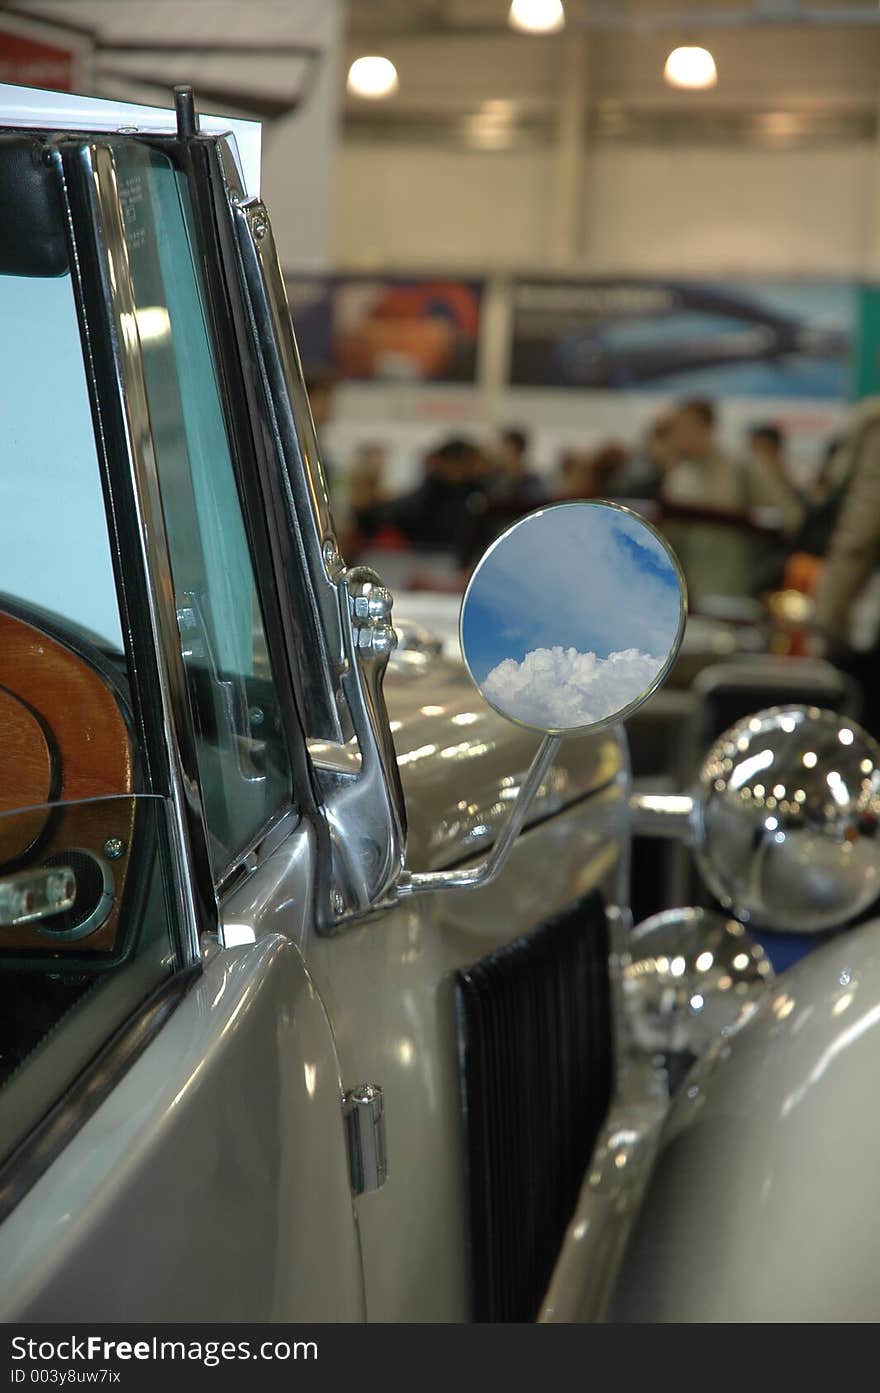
(535, 1053)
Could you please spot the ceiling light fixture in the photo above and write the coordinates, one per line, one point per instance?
(373, 77)
(536, 16)
(691, 67)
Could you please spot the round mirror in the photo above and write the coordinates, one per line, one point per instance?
(573, 617)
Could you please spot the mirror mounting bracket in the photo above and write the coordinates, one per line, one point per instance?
(486, 870)
(364, 810)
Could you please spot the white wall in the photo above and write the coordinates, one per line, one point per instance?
(665, 209)
(725, 211)
(298, 150)
(411, 206)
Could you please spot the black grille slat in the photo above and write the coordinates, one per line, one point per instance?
(535, 1055)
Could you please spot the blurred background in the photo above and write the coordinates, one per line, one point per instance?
(550, 249)
(519, 236)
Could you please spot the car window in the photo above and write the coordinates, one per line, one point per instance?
(244, 763)
(54, 546)
(73, 812)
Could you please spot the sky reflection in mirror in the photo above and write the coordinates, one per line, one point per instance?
(572, 616)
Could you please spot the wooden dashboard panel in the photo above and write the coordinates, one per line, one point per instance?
(63, 738)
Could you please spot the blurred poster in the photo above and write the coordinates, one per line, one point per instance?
(36, 52)
(736, 338)
(388, 328)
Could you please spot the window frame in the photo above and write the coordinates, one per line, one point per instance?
(161, 713)
(120, 392)
(216, 194)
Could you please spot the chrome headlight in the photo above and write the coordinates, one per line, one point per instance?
(692, 975)
(785, 822)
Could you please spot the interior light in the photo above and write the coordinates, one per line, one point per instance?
(536, 16)
(690, 66)
(372, 76)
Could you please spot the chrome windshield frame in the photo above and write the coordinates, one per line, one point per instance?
(318, 569)
(337, 656)
(139, 543)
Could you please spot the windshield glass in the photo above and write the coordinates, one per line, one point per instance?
(74, 812)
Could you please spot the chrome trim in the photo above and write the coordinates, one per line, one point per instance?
(366, 813)
(611, 1195)
(364, 1115)
(288, 421)
(98, 915)
(413, 638)
(339, 653)
(90, 174)
(267, 841)
(31, 895)
(487, 870)
(662, 815)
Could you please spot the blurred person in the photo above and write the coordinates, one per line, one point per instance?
(366, 480)
(439, 512)
(606, 464)
(643, 472)
(854, 550)
(767, 482)
(590, 474)
(516, 482)
(573, 474)
(719, 556)
(832, 469)
(702, 475)
(823, 504)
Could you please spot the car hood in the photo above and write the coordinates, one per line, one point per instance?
(761, 1203)
(462, 764)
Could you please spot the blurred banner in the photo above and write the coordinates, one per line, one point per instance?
(387, 328)
(792, 339)
(37, 53)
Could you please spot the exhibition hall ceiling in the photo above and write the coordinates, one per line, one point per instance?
(789, 71)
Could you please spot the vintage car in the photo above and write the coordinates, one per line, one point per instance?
(321, 998)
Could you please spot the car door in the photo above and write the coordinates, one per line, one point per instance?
(180, 1151)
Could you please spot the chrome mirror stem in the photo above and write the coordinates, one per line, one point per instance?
(488, 869)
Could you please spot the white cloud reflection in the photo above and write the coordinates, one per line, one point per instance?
(560, 688)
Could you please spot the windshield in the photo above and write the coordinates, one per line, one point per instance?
(74, 810)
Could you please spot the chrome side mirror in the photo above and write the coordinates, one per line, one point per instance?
(571, 620)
